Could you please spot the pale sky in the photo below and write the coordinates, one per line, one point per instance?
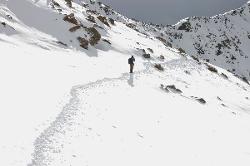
(171, 11)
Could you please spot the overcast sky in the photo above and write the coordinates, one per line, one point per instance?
(171, 11)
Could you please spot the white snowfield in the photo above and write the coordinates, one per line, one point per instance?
(63, 105)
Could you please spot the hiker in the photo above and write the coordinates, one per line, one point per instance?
(131, 61)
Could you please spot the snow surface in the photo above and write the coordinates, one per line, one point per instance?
(64, 105)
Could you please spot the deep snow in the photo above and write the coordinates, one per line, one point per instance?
(70, 106)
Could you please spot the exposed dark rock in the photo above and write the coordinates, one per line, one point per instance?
(74, 28)
(107, 41)
(71, 18)
(224, 76)
(147, 56)
(91, 19)
(201, 100)
(211, 68)
(104, 20)
(185, 26)
(95, 36)
(150, 50)
(84, 43)
(112, 21)
(173, 89)
(159, 67)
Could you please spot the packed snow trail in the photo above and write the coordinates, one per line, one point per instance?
(124, 121)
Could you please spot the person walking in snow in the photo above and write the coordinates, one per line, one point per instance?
(131, 61)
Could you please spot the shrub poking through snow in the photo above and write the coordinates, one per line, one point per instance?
(159, 67)
(95, 36)
(74, 28)
(211, 68)
(71, 18)
(3, 23)
(103, 20)
(84, 43)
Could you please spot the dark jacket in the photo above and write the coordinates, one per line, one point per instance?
(131, 60)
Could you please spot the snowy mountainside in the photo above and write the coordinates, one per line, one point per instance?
(221, 40)
(67, 97)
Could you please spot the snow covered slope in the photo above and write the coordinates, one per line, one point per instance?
(222, 40)
(67, 97)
